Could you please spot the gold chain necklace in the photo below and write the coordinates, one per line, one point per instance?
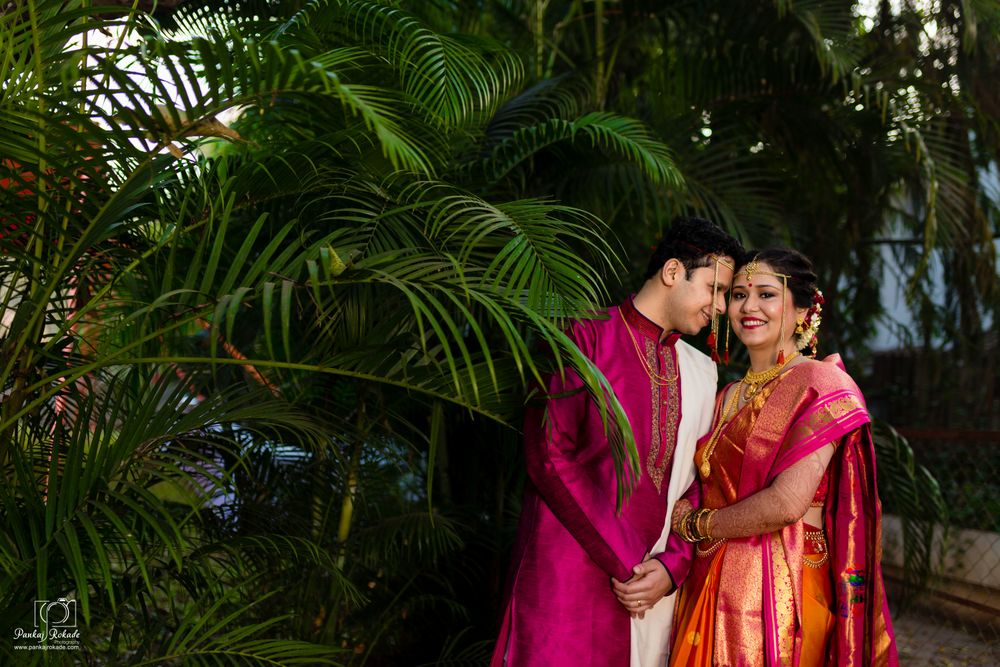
(724, 416)
(754, 381)
(654, 375)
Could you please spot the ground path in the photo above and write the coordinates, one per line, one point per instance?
(923, 642)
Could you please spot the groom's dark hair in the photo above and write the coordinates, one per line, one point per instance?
(691, 240)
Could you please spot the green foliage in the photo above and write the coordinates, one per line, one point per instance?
(971, 492)
(220, 339)
(910, 491)
(797, 123)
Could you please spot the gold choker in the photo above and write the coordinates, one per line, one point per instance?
(754, 381)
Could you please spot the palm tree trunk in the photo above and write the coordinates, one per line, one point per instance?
(600, 88)
(540, 7)
(351, 488)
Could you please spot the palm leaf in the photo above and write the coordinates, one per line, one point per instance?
(609, 133)
(453, 78)
(906, 485)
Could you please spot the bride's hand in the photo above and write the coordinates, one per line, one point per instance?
(681, 507)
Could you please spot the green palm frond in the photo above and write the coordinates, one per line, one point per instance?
(453, 78)
(213, 75)
(201, 18)
(458, 652)
(910, 489)
(527, 247)
(832, 29)
(123, 436)
(610, 134)
(33, 51)
(559, 97)
(480, 260)
(419, 535)
(208, 637)
(105, 524)
(253, 652)
(728, 184)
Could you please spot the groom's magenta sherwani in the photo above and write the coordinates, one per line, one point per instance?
(560, 607)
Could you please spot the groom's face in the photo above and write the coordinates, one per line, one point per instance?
(694, 295)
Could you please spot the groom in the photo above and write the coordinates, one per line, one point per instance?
(587, 584)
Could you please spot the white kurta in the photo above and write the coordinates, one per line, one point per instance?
(650, 639)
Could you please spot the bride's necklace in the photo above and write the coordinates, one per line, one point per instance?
(754, 381)
(728, 411)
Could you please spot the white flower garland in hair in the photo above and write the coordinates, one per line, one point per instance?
(810, 325)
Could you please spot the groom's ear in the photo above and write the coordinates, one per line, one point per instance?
(672, 271)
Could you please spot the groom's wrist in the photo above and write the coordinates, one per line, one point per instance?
(673, 584)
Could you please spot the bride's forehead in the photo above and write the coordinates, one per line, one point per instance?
(760, 277)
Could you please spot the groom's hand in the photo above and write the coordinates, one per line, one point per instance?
(649, 583)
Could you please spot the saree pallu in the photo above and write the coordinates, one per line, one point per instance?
(751, 602)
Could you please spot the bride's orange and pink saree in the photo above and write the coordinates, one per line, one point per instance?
(755, 600)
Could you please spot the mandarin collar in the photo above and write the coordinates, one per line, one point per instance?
(646, 326)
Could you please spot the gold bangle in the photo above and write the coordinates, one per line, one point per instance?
(697, 524)
(691, 518)
(708, 523)
(695, 518)
(680, 528)
(686, 532)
